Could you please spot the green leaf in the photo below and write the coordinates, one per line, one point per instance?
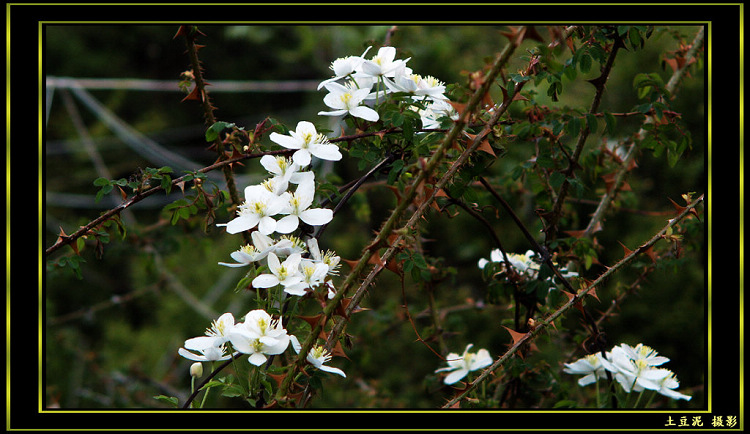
(166, 183)
(591, 123)
(585, 63)
(573, 126)
(171, 400)
(556, 179)
(610, 122)
(634, 36)
(419, 261)
(214, 130)
(101, 182)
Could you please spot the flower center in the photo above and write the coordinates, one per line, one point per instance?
(258, 346)
(262, 325)
(283, 272)
(283, 163)
(346, 98)
(306, 139)
(308, 271)
(294, 202)
(259, 208)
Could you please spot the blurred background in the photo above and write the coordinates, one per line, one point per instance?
(112, 333)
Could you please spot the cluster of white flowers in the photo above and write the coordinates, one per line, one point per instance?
(526, 265)
(635, 369)
(461, 365)
(273, 211)
(350, 90)
(259, 336)
(270, 198)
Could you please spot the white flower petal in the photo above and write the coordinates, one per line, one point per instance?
(191, 356)
(285, 141)
(257, 359)
(456, 375)
(365, 113)
(302, 157)
(242, 223)
(333, 113)
(327, 152)
(267, 225)
(316, 216)
(287, 224)
(332, 370)
(265, 281)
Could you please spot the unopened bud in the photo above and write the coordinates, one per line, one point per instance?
(196, 370)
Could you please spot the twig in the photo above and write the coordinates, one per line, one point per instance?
(553, 217)
(208, 111)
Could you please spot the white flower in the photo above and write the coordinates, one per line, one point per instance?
(282, 273)
(306, 140)
(463, 364)
(644, 352)
(668, 384)
(525, 264)
(259, 335)
(383, 64)
(437, 109)
(211, 346)
(590, 366)
(345, 66)
(221, 327)
(634, 374)
(203, 349)
(318, 356)
(417, 85)
(313, 274)
(345, 100)
(288, 245)
(285, 170)
(297, 209)
(329, 258)
(246, 255)
(260, 204)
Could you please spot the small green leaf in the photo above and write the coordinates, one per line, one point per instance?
(610, 122)
(591, 123)
(556, 179)
(419, 261)
(171, 400)
(214, 130)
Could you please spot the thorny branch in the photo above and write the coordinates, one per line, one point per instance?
(576, 299)
(553, 217)
(390, 224)
(64, 240)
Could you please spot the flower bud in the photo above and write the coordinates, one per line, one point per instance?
(196, 369)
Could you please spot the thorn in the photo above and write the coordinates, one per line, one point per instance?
(516, 336)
